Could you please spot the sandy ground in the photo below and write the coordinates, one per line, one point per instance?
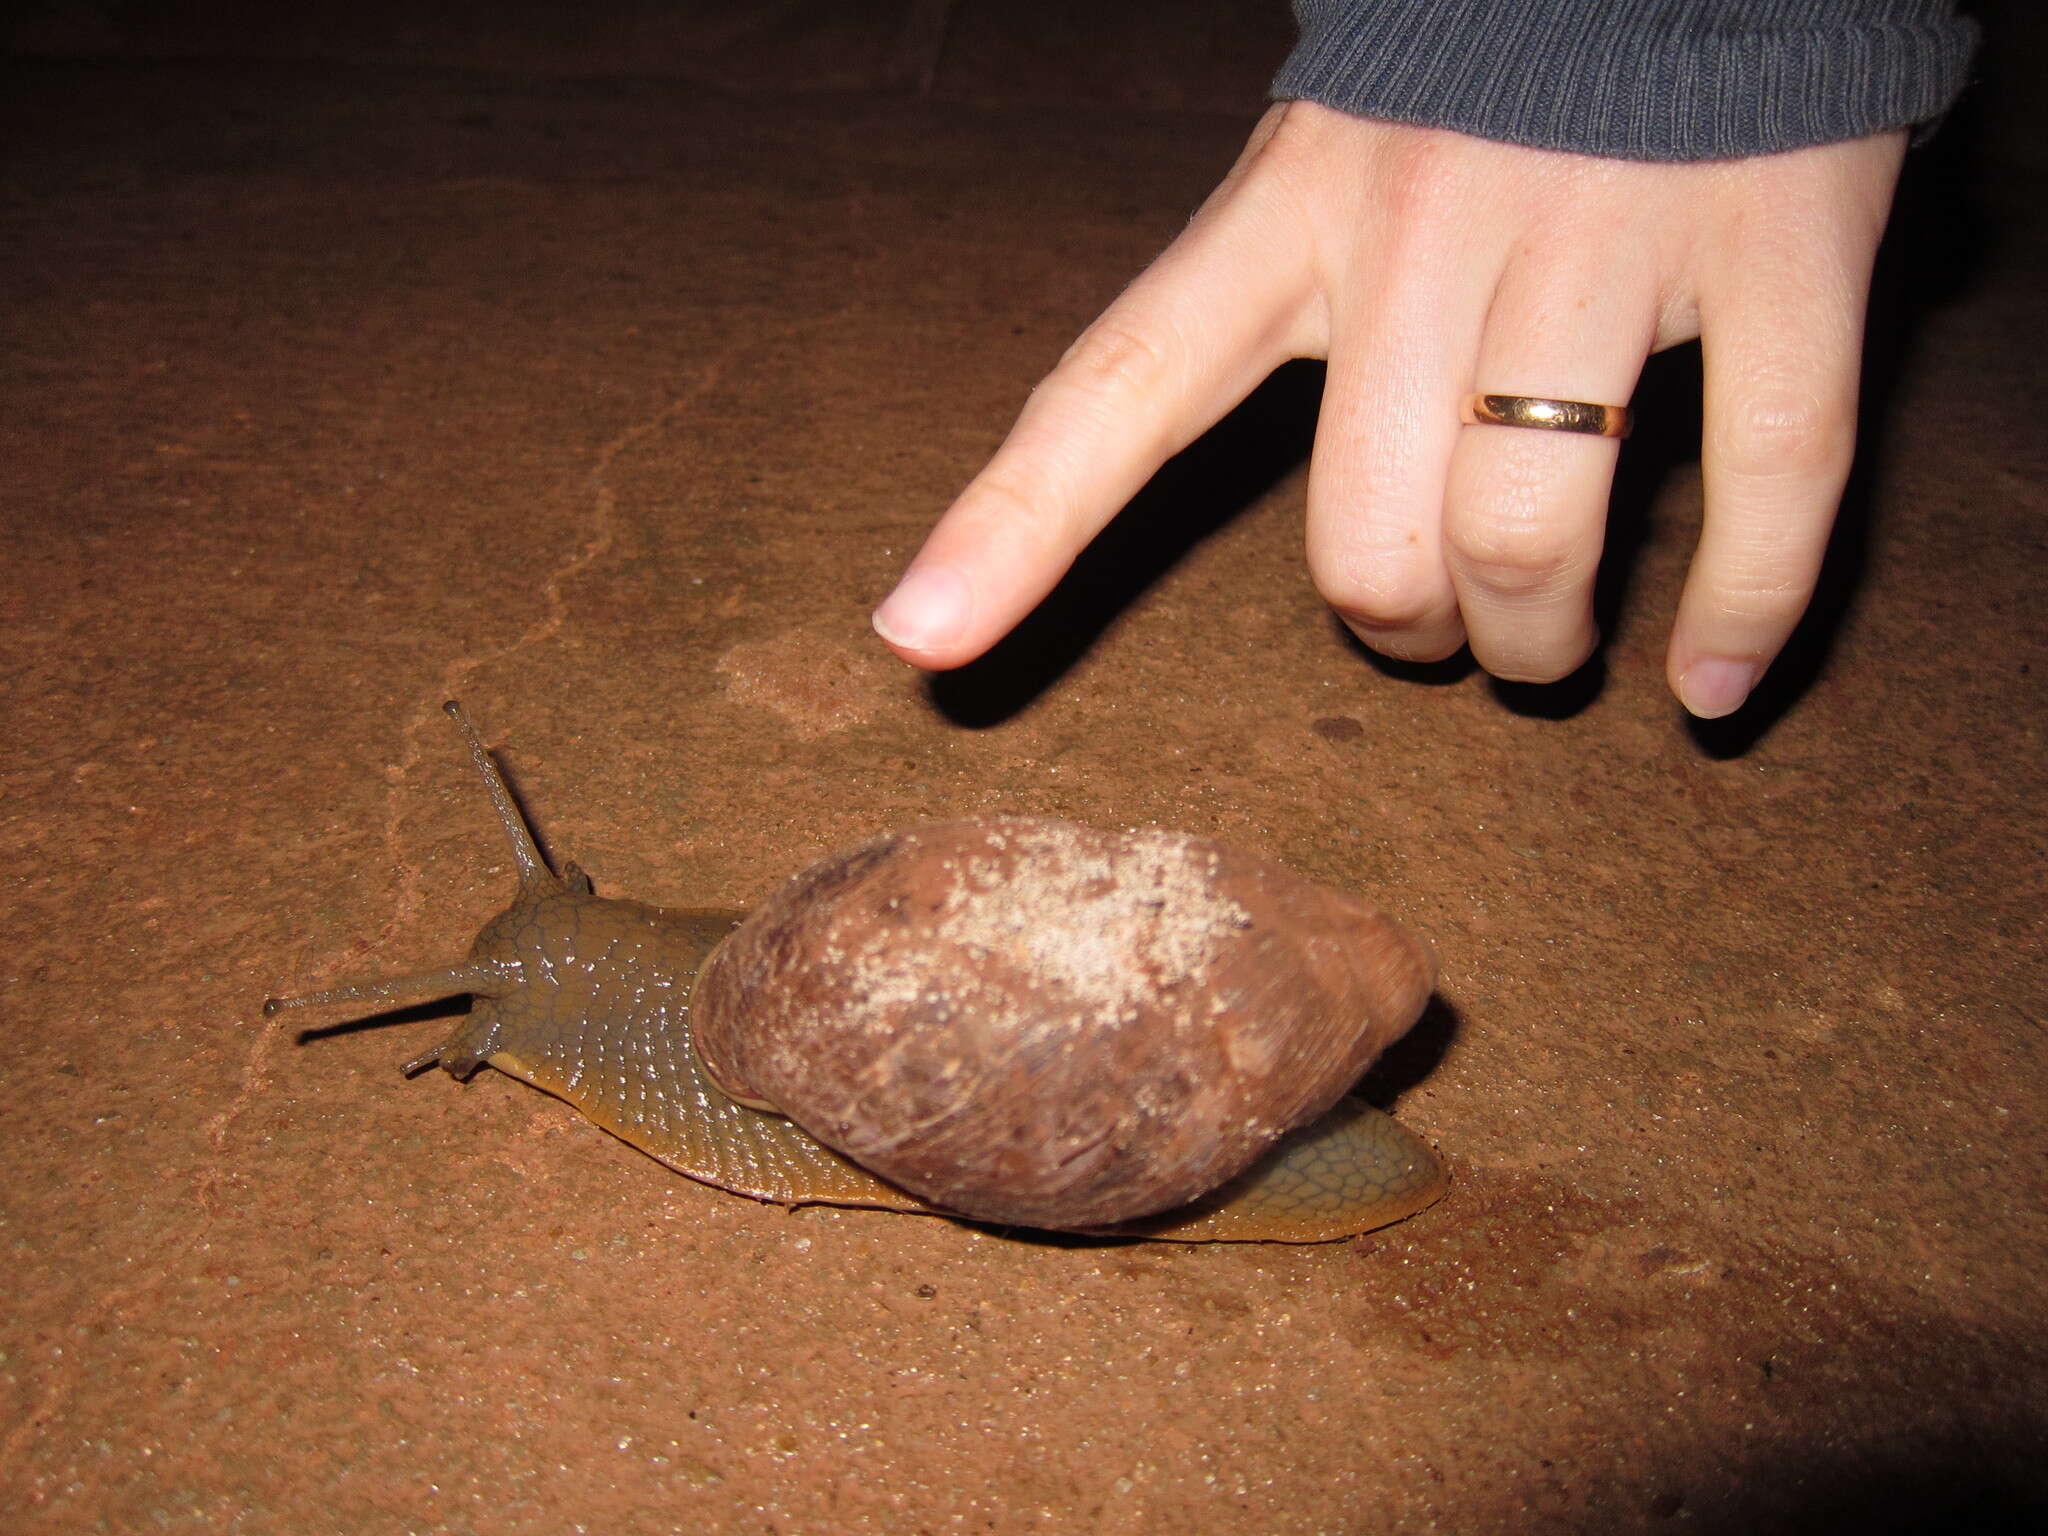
(604, 379)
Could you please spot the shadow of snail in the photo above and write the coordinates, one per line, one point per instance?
(1018, 1021)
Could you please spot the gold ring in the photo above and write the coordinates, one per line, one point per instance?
(1549, 415)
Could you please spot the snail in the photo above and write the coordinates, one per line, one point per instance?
(1019, 1021)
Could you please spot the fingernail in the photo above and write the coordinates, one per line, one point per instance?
(927, 609)
(1713, 686)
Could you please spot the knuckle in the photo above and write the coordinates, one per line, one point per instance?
(1757, 567)
(1785, 433)
(1290, 147)
(1117, 361)
(1759, 599)
(1384, 597)
(1513, 556)
(1020, 507)
(1428, 171)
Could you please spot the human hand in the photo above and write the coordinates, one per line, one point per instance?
(1426, 265)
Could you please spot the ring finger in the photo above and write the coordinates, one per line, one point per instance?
(1525, 509)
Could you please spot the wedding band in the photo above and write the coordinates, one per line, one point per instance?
(1549, 415)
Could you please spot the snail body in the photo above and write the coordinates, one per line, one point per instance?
(1020, 1021)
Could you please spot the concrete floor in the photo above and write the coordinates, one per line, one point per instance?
(604, 379)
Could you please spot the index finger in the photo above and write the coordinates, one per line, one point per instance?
(1189, 339)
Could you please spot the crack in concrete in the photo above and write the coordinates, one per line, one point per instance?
(600, 533)
(254, 1078)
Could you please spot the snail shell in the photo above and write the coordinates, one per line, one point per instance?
(1039, 1023)
(1021, 1021)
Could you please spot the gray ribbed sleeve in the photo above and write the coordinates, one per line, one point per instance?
(1636, 79)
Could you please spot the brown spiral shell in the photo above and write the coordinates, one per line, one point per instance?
(1034, 1022)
